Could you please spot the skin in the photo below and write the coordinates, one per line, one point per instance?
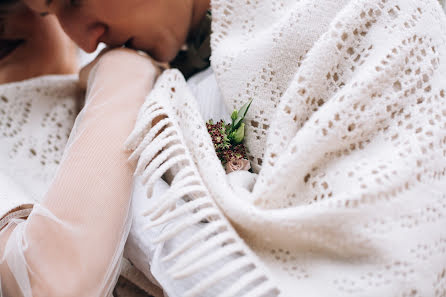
(44, 48)
(158, 27)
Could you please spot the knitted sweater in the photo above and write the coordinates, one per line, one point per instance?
(36, 117)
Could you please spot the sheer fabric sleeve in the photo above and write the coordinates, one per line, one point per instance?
(71, 244)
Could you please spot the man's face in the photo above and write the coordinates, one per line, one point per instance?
(158, 27)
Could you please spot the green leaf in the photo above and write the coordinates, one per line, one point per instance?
(241, 115)
(237, 136)
(234, 115)
(225, 138)
(244, 110)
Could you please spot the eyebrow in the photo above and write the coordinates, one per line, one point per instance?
(48, 2)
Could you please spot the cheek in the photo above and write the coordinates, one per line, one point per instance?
(42, 28)
(36, 5)
(112, 11)
(48, 38)
(129, 14)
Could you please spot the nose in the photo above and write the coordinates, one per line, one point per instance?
(84, 31)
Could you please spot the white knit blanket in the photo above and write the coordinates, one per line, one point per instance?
(348, 133)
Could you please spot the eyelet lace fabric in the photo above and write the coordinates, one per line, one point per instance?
(36, 117)
(347, 132)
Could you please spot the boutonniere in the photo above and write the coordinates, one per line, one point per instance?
(228, 140)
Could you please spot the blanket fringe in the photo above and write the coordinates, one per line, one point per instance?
(159, 149)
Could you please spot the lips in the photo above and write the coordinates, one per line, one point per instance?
(7, 46)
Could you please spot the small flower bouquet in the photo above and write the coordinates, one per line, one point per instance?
(228, 140)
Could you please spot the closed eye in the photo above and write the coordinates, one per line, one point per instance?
(75, 3)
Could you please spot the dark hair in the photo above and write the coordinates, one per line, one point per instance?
(7, 5)
(8, 2)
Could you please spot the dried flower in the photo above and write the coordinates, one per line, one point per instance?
(237, 164)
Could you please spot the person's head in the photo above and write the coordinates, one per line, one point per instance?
(158, 27)
(32, 45)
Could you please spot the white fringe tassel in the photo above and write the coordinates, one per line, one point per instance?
(159, 149)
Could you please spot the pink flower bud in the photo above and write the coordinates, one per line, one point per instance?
(237, 164)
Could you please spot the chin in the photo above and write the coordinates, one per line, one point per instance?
(166, 50)
(165, 56)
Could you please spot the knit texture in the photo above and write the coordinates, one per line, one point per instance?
(347, 132)
(36, 117)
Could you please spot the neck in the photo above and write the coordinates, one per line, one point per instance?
(200, 7)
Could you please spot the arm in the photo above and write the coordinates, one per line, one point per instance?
(71, 244)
